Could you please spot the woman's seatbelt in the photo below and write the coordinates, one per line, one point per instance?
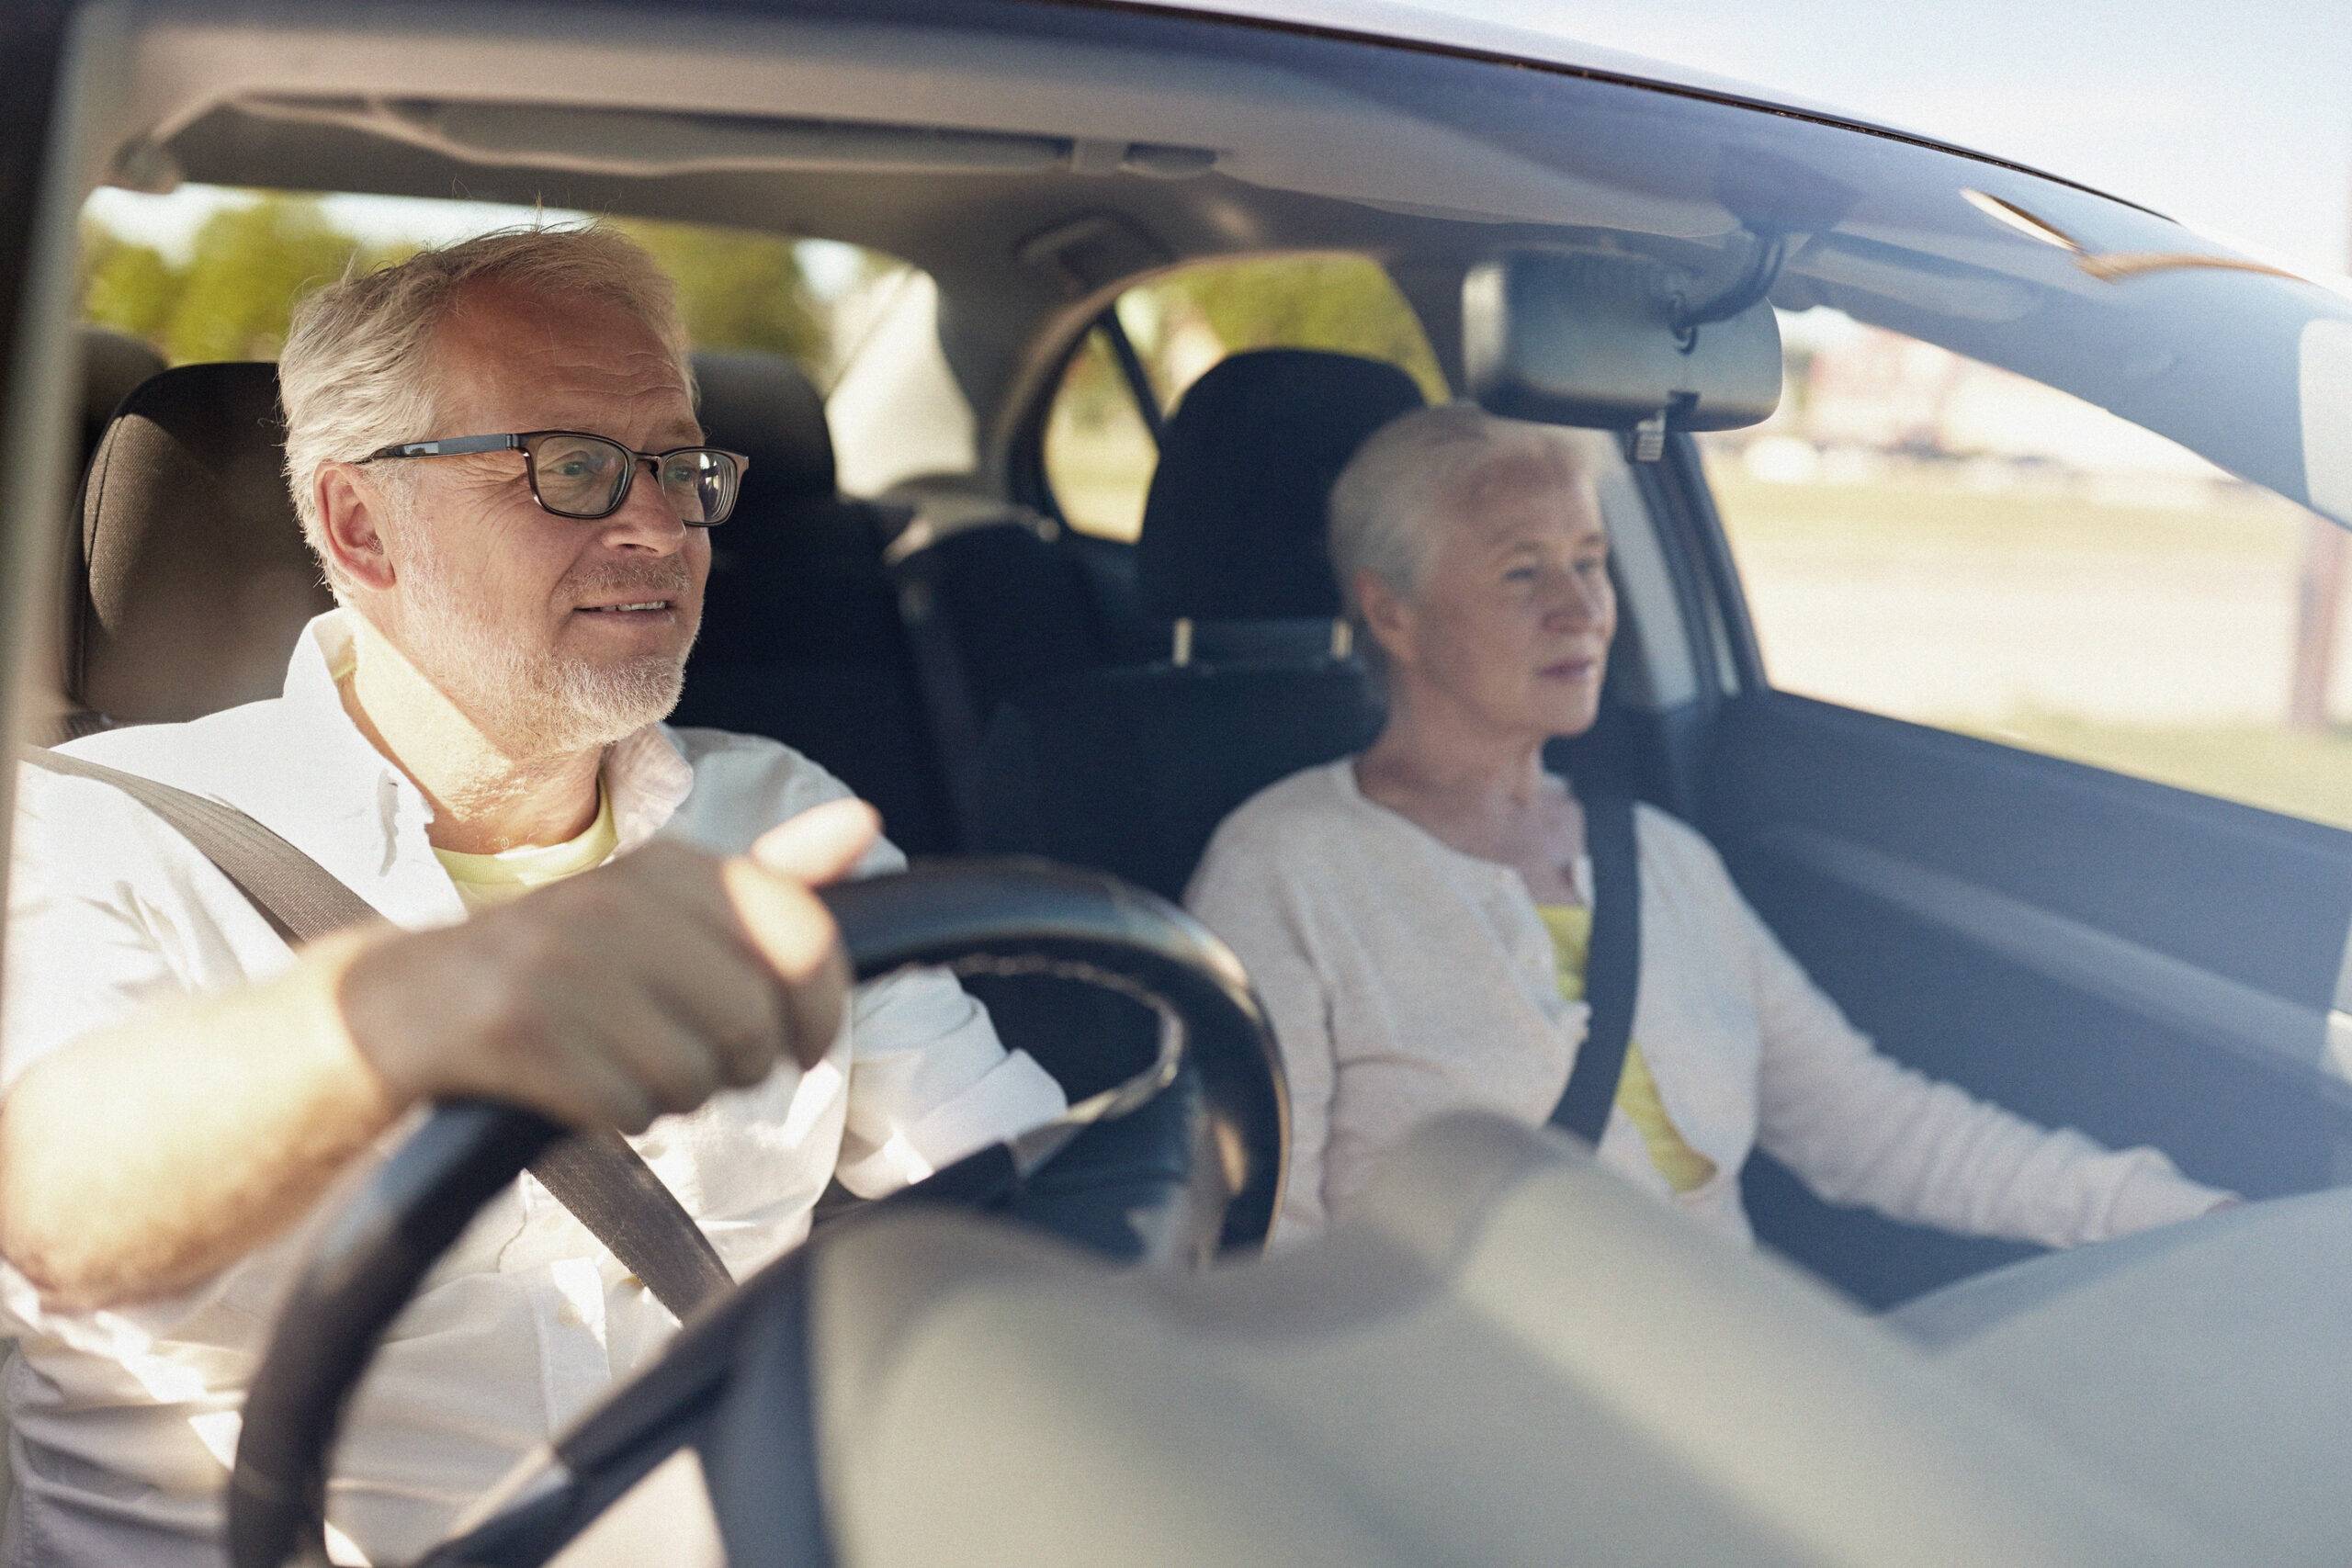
(1613, 966)
(597, 1176)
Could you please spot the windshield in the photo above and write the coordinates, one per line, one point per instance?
(2128, 310)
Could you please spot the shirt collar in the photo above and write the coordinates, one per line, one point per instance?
(647, 775)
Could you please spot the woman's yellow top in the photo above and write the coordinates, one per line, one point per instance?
(1683, 1167)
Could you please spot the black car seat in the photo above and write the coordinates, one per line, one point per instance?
(189, 579)
(1130, 769)
(801, 639)
(998, 599)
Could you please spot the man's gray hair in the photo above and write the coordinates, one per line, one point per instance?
(357, 374)
(1406, 483)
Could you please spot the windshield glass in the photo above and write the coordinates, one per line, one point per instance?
(2118, 307)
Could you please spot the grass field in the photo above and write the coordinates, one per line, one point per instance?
(2148, 639)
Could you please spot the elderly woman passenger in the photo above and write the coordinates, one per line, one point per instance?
(1416, 917)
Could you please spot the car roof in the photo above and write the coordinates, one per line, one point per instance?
(1401, 21)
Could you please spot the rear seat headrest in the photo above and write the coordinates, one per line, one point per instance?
(1233, 528)
(765, 407)
(198, 581)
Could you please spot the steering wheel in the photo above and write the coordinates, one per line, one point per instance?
(975, 916)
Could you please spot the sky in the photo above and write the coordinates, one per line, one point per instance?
(2233, 116)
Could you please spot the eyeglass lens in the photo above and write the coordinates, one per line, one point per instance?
(584, 475)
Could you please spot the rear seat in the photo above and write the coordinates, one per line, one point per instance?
(801, 639)
(1131, 769)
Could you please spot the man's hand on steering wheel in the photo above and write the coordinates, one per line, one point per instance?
(610, 999)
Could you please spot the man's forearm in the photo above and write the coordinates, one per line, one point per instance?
(138, 1159)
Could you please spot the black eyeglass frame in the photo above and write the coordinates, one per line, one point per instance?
(514, 441)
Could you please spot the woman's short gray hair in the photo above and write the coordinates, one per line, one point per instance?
(1403, 485)
(357, 375)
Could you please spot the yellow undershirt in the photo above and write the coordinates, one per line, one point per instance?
(1683, 1167)
(484, 881)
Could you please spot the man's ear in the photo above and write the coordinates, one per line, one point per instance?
(1387, 616)
(351, 516)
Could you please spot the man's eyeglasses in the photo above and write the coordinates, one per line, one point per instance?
(587, 477)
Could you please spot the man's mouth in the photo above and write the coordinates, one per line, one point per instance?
(636, 607)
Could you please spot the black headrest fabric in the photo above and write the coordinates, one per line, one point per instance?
(1130, 769)
(765, 407)
(198, 581)
(1234, 527)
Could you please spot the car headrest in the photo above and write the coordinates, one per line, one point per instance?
(113, 363)
(1233, 528)
(765, 407)
(196, 580)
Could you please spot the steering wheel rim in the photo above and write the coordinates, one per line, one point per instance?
(375, 1253)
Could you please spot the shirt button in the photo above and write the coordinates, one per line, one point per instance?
(632, 1282)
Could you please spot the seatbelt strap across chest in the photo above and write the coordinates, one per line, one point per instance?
(1613, 966)
(604, 1182)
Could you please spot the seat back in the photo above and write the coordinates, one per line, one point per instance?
(1130, 769)
(113, 365)
(190, 579)
(800, 635)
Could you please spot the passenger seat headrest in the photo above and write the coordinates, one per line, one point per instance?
(765, 407)
(1234, 527)
(198, 581)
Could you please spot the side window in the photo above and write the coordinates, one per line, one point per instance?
(213, 273)
(1925, 536)
(1099, 448)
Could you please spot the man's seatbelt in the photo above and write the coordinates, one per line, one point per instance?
(1613, 966)
(597, 1176)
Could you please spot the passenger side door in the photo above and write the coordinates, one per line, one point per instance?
(2036, 765)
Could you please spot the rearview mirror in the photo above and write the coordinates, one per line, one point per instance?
(1617, 342)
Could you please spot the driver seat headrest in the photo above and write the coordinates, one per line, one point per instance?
(196, 581)
(1234, 525)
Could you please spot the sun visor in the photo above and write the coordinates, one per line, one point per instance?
(1617, 342)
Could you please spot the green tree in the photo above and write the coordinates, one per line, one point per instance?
(247, 267)
(1345, 304)
(738, 289)
(129, 287)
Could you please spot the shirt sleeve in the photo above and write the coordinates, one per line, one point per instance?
(1239, 899)
(81, 952)
(929, 1081)
(1859, 1127)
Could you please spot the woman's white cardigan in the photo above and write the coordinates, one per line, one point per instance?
(1405, 979)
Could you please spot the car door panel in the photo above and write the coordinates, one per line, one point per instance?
(2144, 963)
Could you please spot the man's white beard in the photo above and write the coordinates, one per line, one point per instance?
(535, 702)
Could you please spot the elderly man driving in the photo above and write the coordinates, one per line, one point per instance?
(494, 454)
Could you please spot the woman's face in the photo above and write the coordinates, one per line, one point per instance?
(1511, 622)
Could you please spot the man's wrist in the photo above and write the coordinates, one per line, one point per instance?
(337, 981)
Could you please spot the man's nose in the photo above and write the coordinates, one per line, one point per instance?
(648, 521)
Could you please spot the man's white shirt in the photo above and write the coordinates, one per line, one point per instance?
(125, 1420)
